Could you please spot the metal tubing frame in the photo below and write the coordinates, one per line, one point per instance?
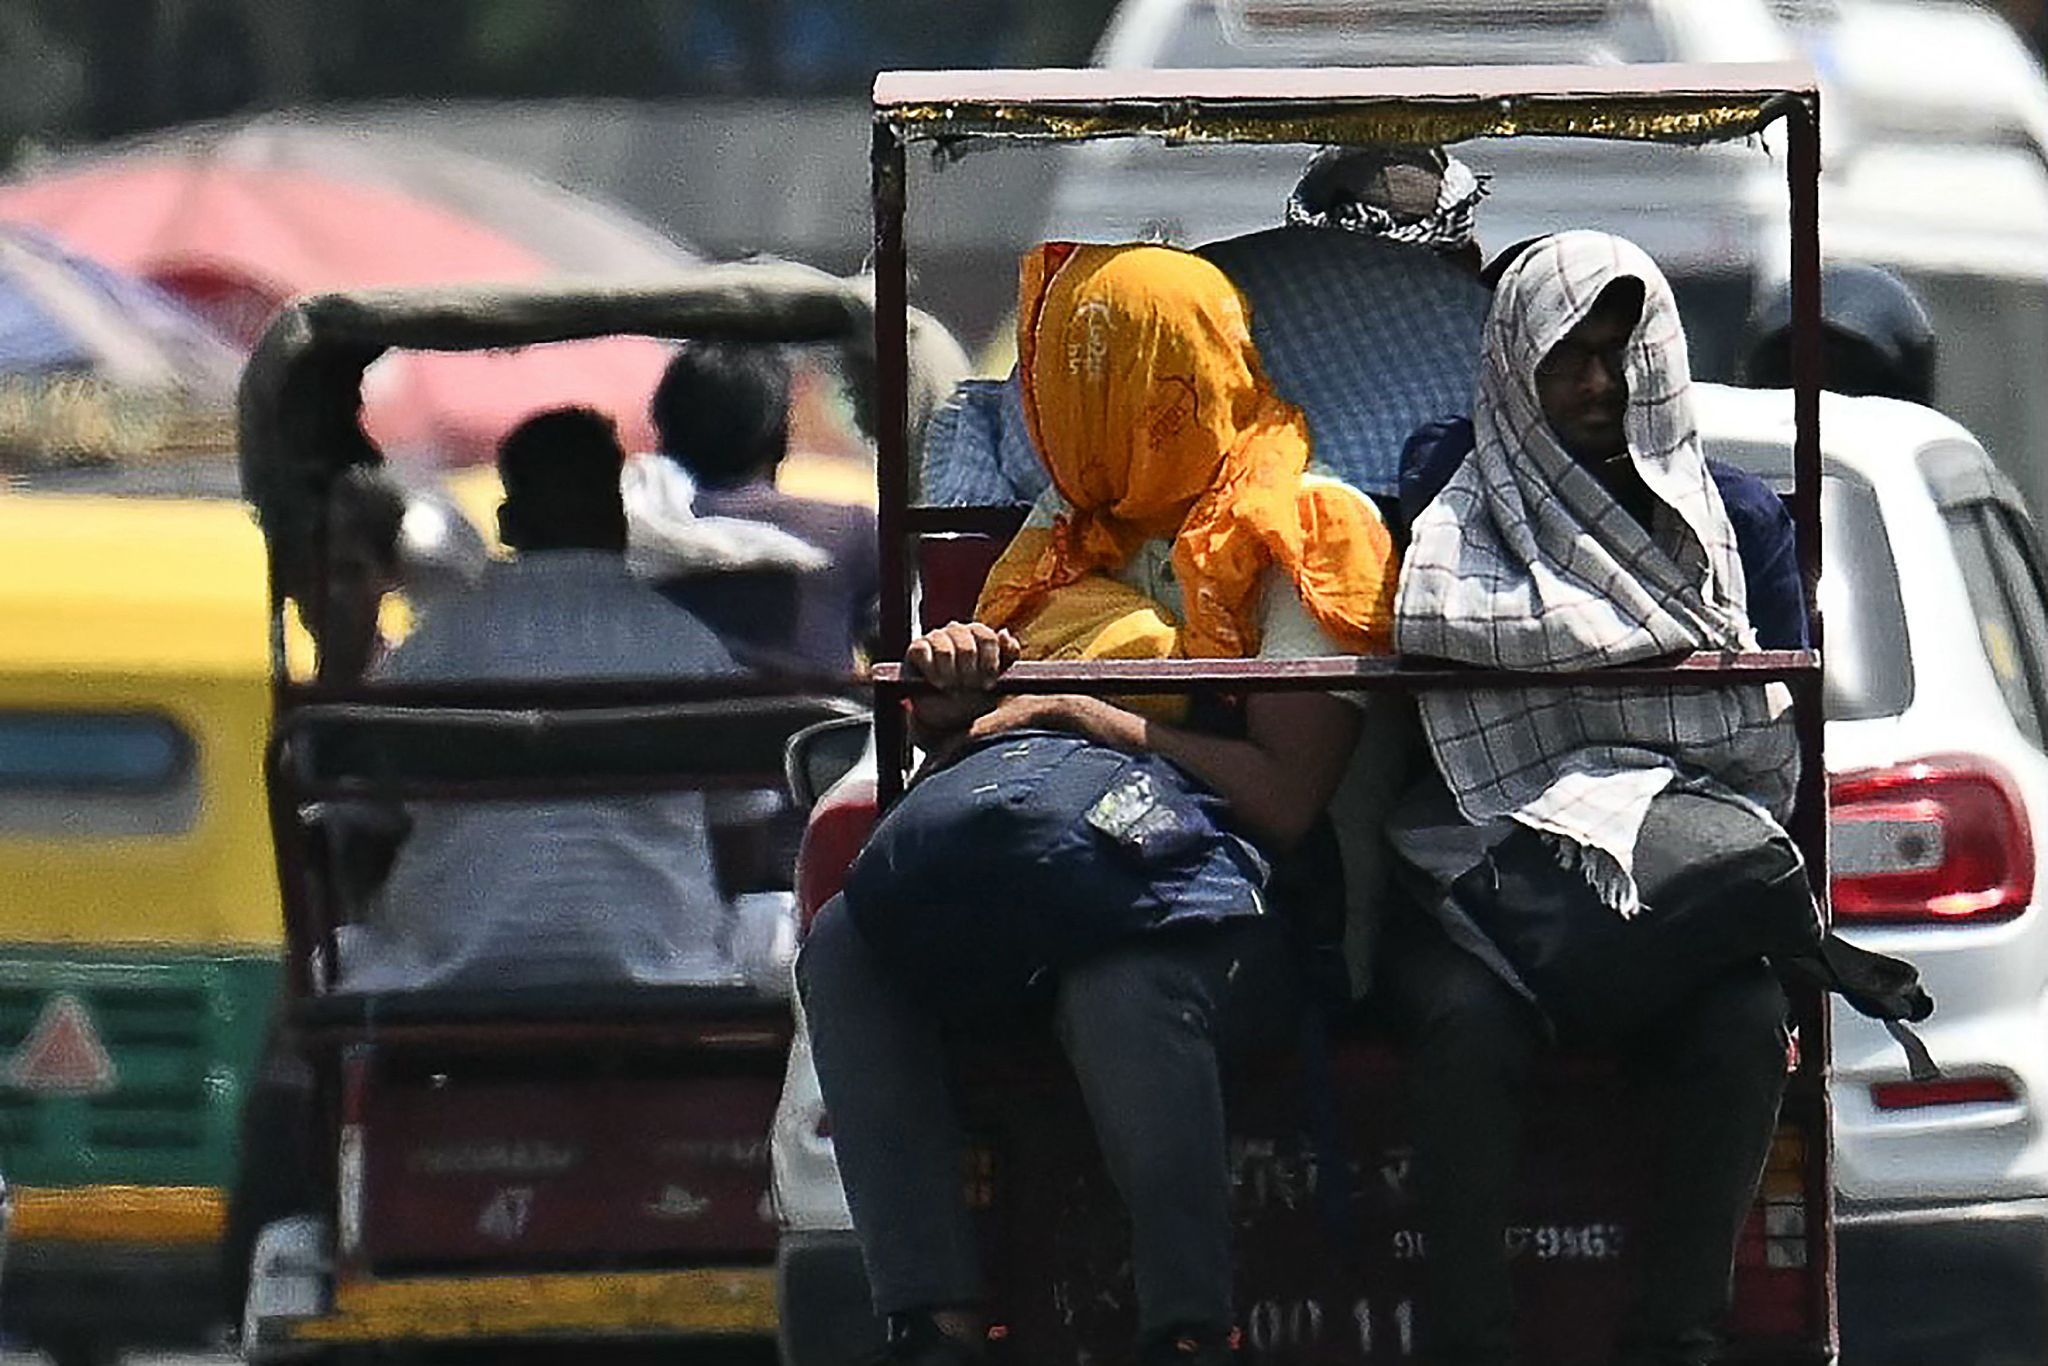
(1810, 816)
(898, 522)
(892, 442)
(1360, 673)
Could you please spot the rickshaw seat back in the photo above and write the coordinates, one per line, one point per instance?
(404, 751)
(532, 1011)
(952, 567)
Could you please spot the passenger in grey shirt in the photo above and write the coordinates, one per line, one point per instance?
(533, 893)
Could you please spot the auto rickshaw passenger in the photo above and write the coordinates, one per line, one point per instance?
(1367, 303)
(722, 413)
(1180, 497)
(561, 891)
(1585, 530)
(1764, 539)
(365, 514)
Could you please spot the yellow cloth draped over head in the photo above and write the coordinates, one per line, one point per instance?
(1145, 397)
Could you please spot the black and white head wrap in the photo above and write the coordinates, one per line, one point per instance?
(1419, 195)
(1525, 561)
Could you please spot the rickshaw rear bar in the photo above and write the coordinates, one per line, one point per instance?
(1809, 822)
(892, 405)
(988, 520)
(707, 1302)
(766, 303)
(1363, 673)
(325, 1027)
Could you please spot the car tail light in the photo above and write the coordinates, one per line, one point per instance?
(1935, 841)
(1917, 1095)
(838, 827)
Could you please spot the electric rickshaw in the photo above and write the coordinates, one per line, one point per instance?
(1329, 1254)
(520, 1170)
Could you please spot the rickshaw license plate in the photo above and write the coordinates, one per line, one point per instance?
(623, 1169)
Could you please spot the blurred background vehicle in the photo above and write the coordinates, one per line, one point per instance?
(1935, 164)
(139, 923)
(588, 1127)
(1936, 124)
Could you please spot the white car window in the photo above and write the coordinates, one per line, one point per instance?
(93, 775)
(2006, 596)
(1868, 664)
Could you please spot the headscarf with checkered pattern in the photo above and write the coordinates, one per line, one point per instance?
(1526, 561)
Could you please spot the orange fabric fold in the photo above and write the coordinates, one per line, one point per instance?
(1145, 397)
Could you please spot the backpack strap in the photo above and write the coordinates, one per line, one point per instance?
(1876, 985)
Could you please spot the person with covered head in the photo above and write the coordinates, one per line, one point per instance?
(1367, 302)
(1568, 844)
(1181, 523)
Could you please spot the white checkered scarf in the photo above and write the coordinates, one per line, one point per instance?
(1446, 229)
(1525, 561)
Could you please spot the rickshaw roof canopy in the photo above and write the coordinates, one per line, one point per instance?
(302, 386)
(1646, 102)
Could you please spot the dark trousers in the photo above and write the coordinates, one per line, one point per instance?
(1713, 1069)
(1140, 1025)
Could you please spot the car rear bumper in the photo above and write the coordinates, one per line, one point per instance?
(1963, 1283)
(821, 1285)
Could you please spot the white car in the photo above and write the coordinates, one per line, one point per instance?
(1937, 690)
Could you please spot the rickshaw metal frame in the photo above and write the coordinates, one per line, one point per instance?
(1679, 104)
(298, 407)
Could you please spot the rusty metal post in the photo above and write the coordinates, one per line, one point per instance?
(892, 455)
(1810, 828)
(1803, 176)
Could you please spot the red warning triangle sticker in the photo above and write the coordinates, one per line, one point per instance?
(63, 1053)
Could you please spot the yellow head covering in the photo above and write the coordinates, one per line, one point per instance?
(1145, 396)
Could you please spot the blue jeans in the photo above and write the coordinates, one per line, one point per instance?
(1140, 1024)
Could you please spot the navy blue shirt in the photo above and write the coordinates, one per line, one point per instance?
(1763, 528)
